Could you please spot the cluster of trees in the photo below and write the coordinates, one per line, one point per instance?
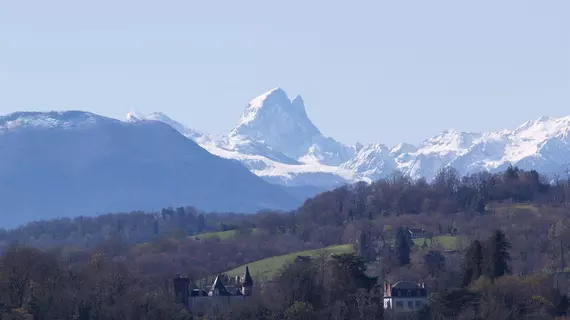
(490, 259)
(43, 285)
(119, 266)
(320, 219)
(336, 287)
(342, 288)
(37, 285)
(134, 227)
(488, 290)
(448, 193)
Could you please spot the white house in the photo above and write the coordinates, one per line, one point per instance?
(404, 296)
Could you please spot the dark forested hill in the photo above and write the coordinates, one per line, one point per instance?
(62, 164)
(510, 234)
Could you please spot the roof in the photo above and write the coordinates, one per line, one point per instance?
(220, 286)
(198, 293)
(406, 285)
(247, 280)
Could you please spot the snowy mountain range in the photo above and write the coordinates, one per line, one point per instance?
(57, 164)
(71, 163)
(275, 139)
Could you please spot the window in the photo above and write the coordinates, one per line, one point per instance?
(409, 293)
(410, 304)
(399, 304)
(418, 304)
(399, 293)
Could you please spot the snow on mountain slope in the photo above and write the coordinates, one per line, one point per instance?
(53, 119)
(540, 144)
(288, 174)
(283, 125)
(143, 163)
(260, 159)
(435, 153)
(278, 122)
(198, 137)
(66, 164)
(373, 162)
(275, 139)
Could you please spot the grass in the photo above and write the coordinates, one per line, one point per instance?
(529, 207)
(224, 235)
(447, 242)
(267, 268)
(512, 210)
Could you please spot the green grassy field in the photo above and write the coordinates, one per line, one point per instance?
(529, 207)
(513, 209)
(224, 235)
(269, 267)
(447, 242)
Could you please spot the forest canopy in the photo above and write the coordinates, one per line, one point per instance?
(483, 238)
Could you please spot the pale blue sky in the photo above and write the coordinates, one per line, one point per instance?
(382, 71)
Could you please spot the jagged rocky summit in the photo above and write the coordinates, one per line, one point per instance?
(275, 139)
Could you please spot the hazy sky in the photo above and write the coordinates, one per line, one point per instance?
(382, 71)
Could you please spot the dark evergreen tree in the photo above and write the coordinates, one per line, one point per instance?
(364, 247)
(435, 263)
(403, 247)
(560, 304)
(497, 255)
(155, 227)
(511, 172)
(473, 264)
(201, 225)
(480, 205)
(450, 304)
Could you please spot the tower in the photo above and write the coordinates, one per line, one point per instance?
(247, 283)
(181, 290)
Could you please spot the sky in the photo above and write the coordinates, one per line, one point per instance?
(369, 71)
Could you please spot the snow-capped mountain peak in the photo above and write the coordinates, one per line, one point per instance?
(372, 161)
(278, 122)
(51, 119)
(449, 141)
(134, 116)
(543, 128)
(402, 148)
(274, 113)
(275, 139)
(298, 100)
(273, 97)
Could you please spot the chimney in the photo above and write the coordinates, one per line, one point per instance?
(387, 289)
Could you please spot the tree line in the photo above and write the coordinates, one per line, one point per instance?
(511, 229)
